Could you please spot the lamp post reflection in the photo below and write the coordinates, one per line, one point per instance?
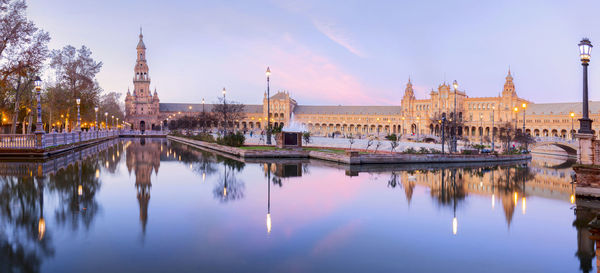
(268, 197)
(41, 221)
(454, 220)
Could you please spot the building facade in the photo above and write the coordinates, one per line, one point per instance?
(141, 107)
(479, 116)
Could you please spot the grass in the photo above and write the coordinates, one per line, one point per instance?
(261, 148)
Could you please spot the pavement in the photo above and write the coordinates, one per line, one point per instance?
(317, 141)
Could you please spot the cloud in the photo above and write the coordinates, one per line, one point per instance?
(310, 75)
(338, 36)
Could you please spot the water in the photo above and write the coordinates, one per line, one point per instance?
(294, 126)
(150, 205)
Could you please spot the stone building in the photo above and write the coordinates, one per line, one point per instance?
(141, 107)
(480, 116)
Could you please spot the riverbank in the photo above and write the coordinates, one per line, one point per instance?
(349, 157)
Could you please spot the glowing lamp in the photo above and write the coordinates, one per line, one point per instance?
(37, 82)
(585, 50)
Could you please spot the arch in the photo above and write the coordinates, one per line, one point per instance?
(554, 132)
(142, 125)
(536, 132)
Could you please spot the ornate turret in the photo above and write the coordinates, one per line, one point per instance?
(141, 44)
(409, 93)
(509, 86)
(155, 97)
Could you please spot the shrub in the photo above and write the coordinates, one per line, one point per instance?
(468, 152)
(233, 140)
(410, 150)
(434, 151)
(423, 150)
(392, 137)
(204, 137)
(306, 137)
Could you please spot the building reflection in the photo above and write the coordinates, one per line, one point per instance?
(584, 214)
(143, 158)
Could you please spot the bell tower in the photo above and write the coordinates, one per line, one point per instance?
(141, 80)
(141, 107)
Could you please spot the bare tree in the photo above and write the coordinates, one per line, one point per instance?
(351, 141)
(228, 112)
(393, 143)
(369, 143)
(76, 71)
(23, 49)
(377, 145)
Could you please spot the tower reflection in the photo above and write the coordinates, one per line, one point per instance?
(143, 157)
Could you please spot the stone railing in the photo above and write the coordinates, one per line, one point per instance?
(43, 141)
(17, 141)
(555, 139)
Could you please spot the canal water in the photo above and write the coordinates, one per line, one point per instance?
(151, 205)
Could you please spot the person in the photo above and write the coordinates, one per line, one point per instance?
(250, 133)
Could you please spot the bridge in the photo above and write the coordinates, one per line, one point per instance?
(571, 146)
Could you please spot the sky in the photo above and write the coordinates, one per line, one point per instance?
(343, 52)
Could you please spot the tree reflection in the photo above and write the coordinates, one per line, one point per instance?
(229, 187)
(76, 187)
(24, 242)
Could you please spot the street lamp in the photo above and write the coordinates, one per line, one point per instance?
(418, 121)
(402, 131)
(516, 117)
(38, 89)
(78, 100)
(524, 106)
(481, 127)
(106, 120)
(96, 122)
(585, 50)
(112, 117)
(572, 128)
(224, 113)
(443, 122)
(454, 131)
(117, 123)
(268, 73)
(493, 131)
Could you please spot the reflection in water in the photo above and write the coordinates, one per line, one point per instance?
(71, 180)
(143, 158)
(28, 223)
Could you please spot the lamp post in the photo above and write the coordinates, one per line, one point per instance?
(117, 123)
(96, 120)
(516, 118)
(112, 117)
(572, 128)
(524, 106)
(493, 131)
(585, 50)
(106, 120)
(454, 131)
(481, 127)
(38, 89)
(224, 113)
(203, 117)
(402, 130)
(418, 121)
(443, 121)
(268, 73)
(78, 100)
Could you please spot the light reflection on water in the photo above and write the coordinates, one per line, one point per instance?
(135, 205)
